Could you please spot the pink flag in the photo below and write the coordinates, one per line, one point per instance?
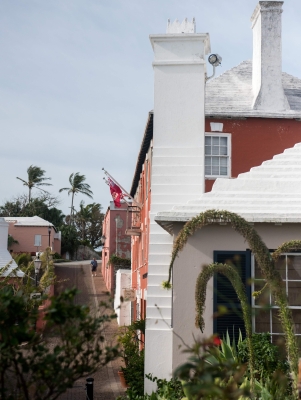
(116, 192)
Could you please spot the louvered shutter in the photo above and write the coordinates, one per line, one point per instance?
(225, 295)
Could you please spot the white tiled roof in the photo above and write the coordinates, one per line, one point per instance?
(28, 221)
(230, 95)
(268, 193)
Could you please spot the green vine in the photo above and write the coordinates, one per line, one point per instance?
(265, 261)
(200, 298)
(287, 247)
(120, 261)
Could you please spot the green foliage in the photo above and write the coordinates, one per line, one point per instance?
(119, 261)
(37, 370)
(200, 299)
(77, 185)
(276, 386)
(166, 285)
(133, 357)
(23, 259)
(35, 179)
(267, 356)
(47, 270)
(88, 222)
(226, 350)
(210, 373)
(54, 216)
(70, 240)
(169, 390)
(11, 241)
(166, 390)
(215, 371)
(42, 206)
(56, 256)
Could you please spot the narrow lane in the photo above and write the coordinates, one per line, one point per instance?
(92, 290)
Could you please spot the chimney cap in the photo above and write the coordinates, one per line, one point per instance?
(265, 6)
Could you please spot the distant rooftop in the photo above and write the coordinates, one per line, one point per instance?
(28, 221)
(230, 95)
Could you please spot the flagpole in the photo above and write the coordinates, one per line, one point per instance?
(107, 182)
(113, 179)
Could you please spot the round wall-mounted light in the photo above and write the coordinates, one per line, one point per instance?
(215, 60)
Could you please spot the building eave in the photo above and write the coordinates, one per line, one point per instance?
(147, 138)
(253, 114)
(168, 220)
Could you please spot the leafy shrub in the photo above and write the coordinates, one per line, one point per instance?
(56, 256)
(171, 390)
(212, 373)
(267, 355)
(23, 259)
(166, 390)
(272, 369)
(119, 261)
(133, 356)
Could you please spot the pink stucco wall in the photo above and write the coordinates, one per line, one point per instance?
(25, 235)
(121, 247)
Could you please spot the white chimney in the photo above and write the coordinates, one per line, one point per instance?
(267, 58)
(177, 170)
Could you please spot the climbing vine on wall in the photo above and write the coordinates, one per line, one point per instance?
(292, 245)
(265, 261)
(200, 299)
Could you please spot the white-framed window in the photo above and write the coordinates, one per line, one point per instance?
(265, 312)
(37, 240)
(217, 155)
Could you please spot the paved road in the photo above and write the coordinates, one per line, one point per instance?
(92, 291)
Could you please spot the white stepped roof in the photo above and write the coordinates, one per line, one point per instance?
(5, 258)
(230, 94)
(268, 193)
(28, 221)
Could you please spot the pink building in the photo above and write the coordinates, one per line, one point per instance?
(33, 234)
(116, 241)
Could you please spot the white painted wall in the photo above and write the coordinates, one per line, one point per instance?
(177, 173)
(123, 310)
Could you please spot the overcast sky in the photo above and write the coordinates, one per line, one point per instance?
(76, 81)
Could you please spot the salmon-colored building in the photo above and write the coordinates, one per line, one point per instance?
(33, 234)
(141, 192)
(115, 241)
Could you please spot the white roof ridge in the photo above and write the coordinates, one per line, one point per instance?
(274, 196)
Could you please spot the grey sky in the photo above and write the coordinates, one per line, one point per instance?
(76, 80)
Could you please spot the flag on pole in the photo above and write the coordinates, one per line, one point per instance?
(116, 192)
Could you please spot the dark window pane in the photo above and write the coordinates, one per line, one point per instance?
(294, 267)
(225, 295)
(294, 293)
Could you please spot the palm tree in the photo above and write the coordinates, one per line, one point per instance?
(83, 217)
(35, 179)
(77, 186)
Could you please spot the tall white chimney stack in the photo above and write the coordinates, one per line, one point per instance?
(177, 170)
(267, 58)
